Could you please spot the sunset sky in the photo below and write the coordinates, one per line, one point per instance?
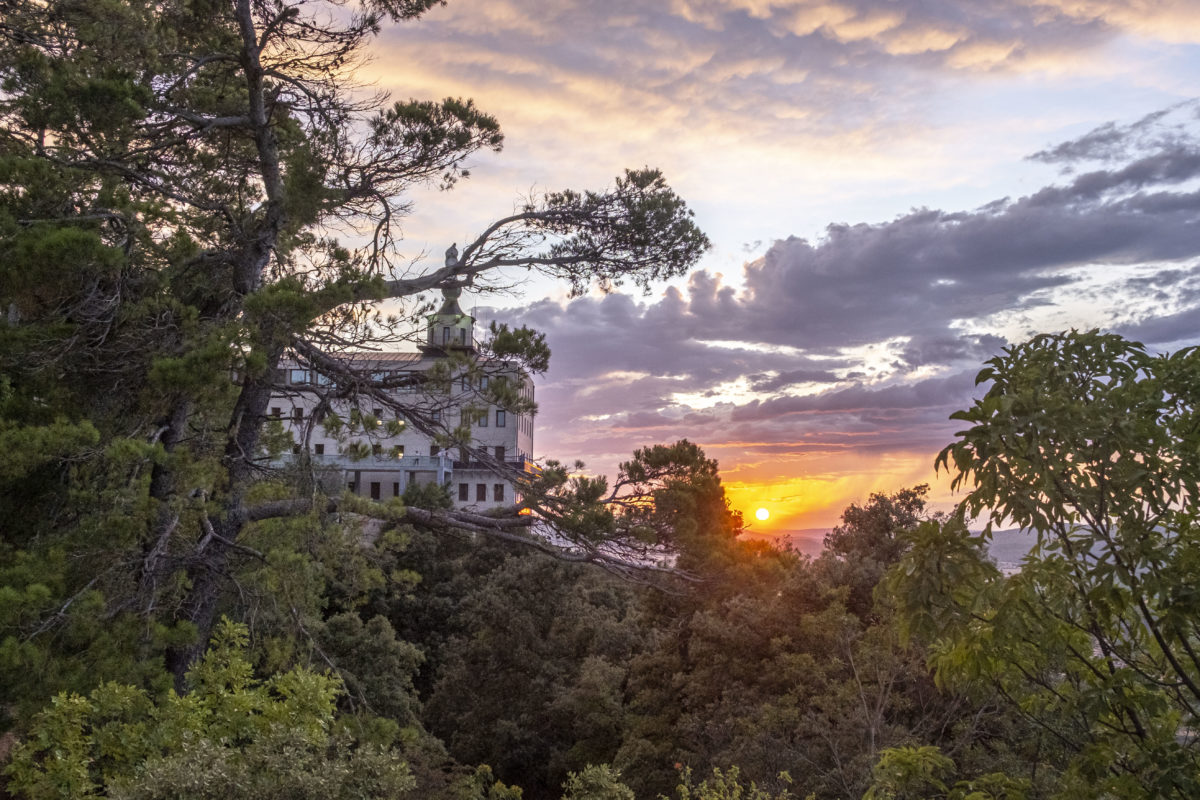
(894, 190)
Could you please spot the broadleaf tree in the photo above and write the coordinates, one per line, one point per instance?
(1091, 441)
(191, 191)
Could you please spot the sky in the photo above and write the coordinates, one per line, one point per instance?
(894, 189)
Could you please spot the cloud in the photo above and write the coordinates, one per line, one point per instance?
(1163, 130)
(797, 65)
(863, 341)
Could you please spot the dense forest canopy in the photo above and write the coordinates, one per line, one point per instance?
(191, 191)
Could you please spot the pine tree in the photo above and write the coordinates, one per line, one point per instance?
(189, 191)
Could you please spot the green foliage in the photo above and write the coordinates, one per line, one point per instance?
(869, 540)
(639, 222)
(922, 773)
(561, 633)
(230, 737)
(596, 783)
(727, 785)
(525, 344)
(1090, 441)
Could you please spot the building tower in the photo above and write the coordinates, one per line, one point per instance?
(449, 328)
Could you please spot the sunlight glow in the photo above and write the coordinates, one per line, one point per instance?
(762, 514)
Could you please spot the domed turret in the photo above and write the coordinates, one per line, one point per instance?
(449, 327)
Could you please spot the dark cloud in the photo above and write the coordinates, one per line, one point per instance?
(784, 380)
(1111, 142)
(919, 274)
(867, 339)
(1182, 326)
(934, 393)
(921, 352)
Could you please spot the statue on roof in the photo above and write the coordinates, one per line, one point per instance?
(452, 255)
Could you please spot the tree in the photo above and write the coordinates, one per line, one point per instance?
(188, 192)
(1091, 441)
(232, 737)
(869, 540)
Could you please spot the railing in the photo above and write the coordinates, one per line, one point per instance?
(381, 461)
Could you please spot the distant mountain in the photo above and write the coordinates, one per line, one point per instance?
(806, 540)
(1008, 547)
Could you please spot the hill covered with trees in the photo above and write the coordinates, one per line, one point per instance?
(191, 191)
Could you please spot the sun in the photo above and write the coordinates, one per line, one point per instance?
(762, 514)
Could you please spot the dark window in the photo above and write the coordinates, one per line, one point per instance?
(298, 414)
(481, 492)
(498, 492)
(399, 451)
(464, 492)
(319, 449)
(379, 413)
(350, 486)
(296, 449)
(276, 412)
(396, 489)
(500, 452)
(374, 490)
(377, 449)
(434, 450)
(501, 418)
(445, 336)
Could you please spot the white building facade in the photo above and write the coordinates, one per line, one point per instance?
(377, 449)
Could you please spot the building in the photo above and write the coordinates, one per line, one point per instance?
(364, 442)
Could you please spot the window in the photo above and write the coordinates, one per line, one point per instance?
(445, 336)
(483, 421)
(466, 383)
(297, 415)
(462, 335)
(464, 492)
(483, 381)
(319, 449)
(378, 414)
(399, 450)
(298, 376)
(481, 492)
(350, 486)
(434, 450)
(501, 418)
(374, 490)
(396, 489)
(498, 492)
(276, 412)
(377, 449)
(499, 452)
(296, 449)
